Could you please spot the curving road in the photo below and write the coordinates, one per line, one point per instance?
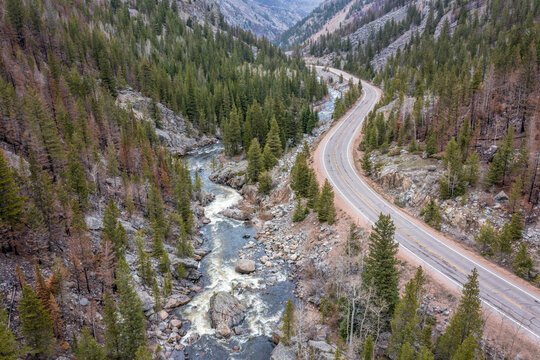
(521, 307)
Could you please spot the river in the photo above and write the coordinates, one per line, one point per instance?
(264, 294)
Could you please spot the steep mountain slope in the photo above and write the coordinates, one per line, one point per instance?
(267, 18)
(316, 21)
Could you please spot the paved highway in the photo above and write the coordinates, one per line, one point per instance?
(520, 306)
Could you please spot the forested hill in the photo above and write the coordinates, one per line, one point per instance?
(472, 75)
(91, 93)
(461, 85)
(466, 68)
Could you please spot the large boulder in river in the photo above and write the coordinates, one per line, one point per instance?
(236, 214)
(245, 266)
(225, 312)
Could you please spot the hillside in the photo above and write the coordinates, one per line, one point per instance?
(267, 18)
(462, 88)
(314, 22)
(99, 213)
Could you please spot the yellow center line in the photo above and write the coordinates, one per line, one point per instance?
(405, 233)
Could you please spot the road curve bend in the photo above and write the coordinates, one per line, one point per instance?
(520, 306)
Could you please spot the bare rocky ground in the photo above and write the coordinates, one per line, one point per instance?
(410, 180)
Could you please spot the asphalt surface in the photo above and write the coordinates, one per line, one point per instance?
(515, 304)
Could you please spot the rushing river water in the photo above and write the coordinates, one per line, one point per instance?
(264, 294)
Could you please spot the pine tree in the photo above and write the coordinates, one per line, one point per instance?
(452, 184)
(232, 133)
(255, 162)
(158, 249)
(366, 164)
(515, 194)
(167, 284)
(184, 248)
(157, 296)
(11, 203)
(76, 177)
(466, 321)
(143, 353)
(367, 349)
(516, 226)
(273, 140)
(48, 301)
(113, 230)
(523, 264)
(132, 328)
(380, 265)
(197, 187)
(268, 158)
(164, 263)
(39, 120)
(487, 239)
(36, 324)
(505, 240)
(301, 175)
(9, 347)
(431, 142)
(502, 161)
(145, 267)
(472, 168)
(405, 323)
(425, 354)
(326, 211)
(287, 326)
(313, 191)
(299, 212)
(112, 328)
(431, 214)
(265, 183)
(87, 347)
(407, 352)
(42, 192)
(469, 350)
(16, 16)
(352, 246)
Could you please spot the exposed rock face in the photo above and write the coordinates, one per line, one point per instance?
(501, 197)
(231, 174)
(245, 266)
(282, 352)
(225, 312)
(173, 130)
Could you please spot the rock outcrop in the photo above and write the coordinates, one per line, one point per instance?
(173, 129)
(236, 214)
(245, 266)
(225, 313)
(282, 352)
(231, 173)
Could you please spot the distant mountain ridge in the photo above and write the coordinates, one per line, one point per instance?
(267, 18)
(314, 22)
